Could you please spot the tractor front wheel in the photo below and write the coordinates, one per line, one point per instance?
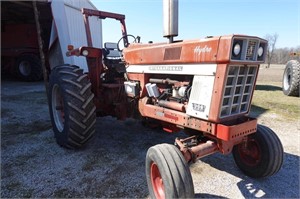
(168, 174)
(261, 155)
(72, 110)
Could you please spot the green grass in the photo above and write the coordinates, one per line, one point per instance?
(268, 97)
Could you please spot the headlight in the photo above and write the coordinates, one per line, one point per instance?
(85, 52)
(260, 51)
(236, 49)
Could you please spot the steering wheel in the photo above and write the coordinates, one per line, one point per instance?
(118, 44)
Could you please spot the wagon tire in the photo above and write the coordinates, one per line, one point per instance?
(262, 156)
(291, 78)
(28, 67)
(168, 174)
(72, 110)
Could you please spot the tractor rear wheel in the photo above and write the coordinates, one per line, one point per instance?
(72, 109)
(291, 78)
(28, 67)
(168, 174)
(261, 155)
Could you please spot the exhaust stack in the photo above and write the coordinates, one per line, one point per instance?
(170, 15)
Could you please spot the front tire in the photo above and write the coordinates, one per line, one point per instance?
(168, 174)
(291, 78)
(72, 110)
(261, 156)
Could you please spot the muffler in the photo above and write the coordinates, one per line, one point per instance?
(170, 15)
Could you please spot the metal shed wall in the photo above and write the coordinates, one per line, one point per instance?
(70, 28)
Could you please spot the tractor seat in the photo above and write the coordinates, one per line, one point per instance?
(111, 51)
(113, 58)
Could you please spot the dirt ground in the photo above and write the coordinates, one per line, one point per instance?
(112, 165)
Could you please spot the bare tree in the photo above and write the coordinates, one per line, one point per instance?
(272, 39)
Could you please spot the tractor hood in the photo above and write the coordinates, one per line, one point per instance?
(217, 49)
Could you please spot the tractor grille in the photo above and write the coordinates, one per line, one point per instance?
(250, 50)
(238, 90)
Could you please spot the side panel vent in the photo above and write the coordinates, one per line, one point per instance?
(201, 95)
(172, 53)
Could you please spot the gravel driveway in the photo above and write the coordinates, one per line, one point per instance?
(112, 165)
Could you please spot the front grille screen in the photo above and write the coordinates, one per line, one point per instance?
(238, 90)
(251, 49)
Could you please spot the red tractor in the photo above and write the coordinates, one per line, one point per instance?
(203, 87)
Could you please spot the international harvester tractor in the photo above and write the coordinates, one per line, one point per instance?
(203, 87)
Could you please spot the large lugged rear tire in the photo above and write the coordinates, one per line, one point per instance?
(291, 78)
(28, 67)
(72, 109)
(168, 174)
(262, 156)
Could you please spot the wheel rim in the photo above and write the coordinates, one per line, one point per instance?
(287, 79)
(157, 182)
(250, 153)
(25, 68)
(58, 108)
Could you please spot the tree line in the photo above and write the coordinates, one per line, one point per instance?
(279, 55)
(283, 55)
